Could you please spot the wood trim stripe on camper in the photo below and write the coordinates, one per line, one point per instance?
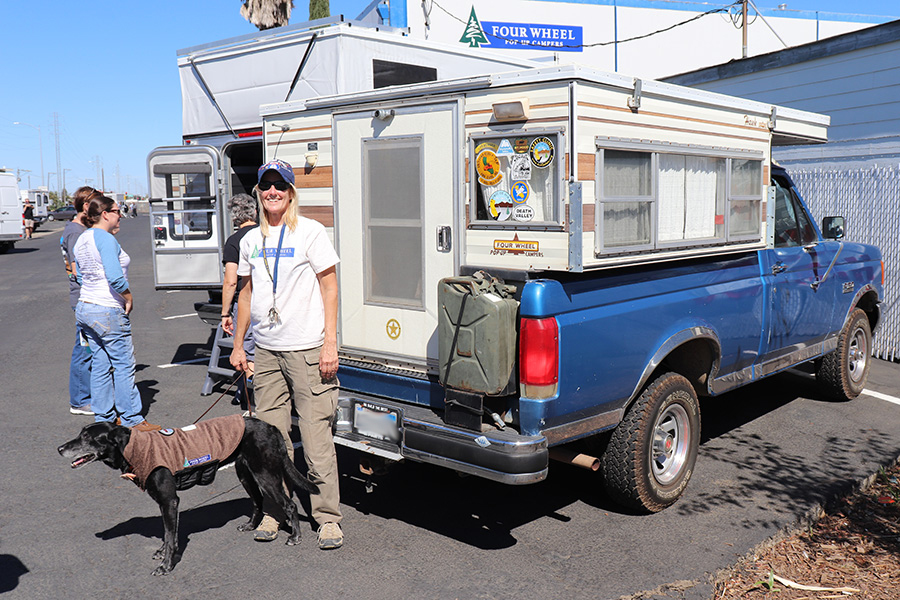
(564, 119)
(313, 177)
(677, 129)
(322, 214)
(669, 116)
(586, 166)
(300, 141)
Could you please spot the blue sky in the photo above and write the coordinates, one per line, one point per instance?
(107, 68)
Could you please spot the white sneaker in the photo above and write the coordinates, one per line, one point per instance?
(82, 410)
(330, 536)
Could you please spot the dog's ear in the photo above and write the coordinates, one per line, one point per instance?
(119, 437)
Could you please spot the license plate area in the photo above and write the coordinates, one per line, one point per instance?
(376, 421)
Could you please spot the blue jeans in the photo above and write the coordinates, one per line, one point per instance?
(80, 374)
(113, 391)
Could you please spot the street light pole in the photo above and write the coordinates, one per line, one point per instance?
(64, 192)
(40, 145)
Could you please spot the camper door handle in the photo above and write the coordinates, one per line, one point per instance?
(444, 238)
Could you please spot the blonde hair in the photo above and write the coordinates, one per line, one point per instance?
(291, 215)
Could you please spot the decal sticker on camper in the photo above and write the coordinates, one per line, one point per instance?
(519, 167)
(501, 205)
(517, 246)
(505, 149)
(488, 167)
(523, 213)
(520, 191)
(541, 152)
(521, 145)
(392, 327)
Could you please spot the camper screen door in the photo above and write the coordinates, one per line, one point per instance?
(515, 179)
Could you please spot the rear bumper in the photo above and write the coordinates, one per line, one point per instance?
(504, 456)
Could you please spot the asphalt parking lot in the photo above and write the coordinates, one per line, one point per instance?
(770, 453)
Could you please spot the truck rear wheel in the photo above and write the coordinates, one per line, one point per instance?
(651, 454)
(843, 372)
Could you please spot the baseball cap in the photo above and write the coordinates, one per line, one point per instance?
(280, 167)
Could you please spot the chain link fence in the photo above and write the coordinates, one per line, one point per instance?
(869, 199)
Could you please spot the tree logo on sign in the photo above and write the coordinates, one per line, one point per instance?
(474, 34)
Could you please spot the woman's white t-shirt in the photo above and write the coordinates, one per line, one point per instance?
(304, 253)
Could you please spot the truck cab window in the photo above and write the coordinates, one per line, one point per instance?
(792, 224)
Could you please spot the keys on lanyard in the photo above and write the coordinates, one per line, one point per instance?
(274, 319)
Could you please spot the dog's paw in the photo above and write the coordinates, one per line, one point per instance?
(293, 540)
(161, 570)
(248, 526)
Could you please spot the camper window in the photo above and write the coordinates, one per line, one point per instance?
(392, 213)
(653, 199)
(190, 206)
(515, 180)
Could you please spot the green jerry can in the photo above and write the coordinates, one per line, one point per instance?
(477, 344)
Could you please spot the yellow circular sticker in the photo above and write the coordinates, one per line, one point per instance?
(487, 165)
(393, 329)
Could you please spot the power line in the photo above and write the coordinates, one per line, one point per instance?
(722, 9)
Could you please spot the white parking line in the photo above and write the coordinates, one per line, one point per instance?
(185, 362)
(193, 314)
(881, 396)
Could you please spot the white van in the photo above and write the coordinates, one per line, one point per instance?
(11, 226)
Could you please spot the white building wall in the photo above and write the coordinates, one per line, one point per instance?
(710, 40)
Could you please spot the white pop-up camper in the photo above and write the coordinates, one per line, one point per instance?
(223, 85)
(564, 169)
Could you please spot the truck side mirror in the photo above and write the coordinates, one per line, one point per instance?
(833, 228)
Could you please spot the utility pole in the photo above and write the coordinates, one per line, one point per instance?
(64, 193)
(744, 29)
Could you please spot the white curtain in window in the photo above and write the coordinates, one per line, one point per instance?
(671, 197)
(701, 189)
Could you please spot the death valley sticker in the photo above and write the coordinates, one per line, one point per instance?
(523, 213)
(487, 165)
(541, 152)
(501, 205)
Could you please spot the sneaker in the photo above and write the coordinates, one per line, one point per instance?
(330, 536)
(267, 530)
(145, 426)
(82, 410)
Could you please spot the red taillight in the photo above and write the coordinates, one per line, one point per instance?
(538, 352)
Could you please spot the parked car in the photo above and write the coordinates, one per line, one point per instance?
(62, 214)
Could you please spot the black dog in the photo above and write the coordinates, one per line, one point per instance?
(260, 459)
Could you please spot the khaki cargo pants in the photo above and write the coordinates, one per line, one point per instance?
(281, 377)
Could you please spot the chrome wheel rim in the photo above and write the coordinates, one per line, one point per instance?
(858, 354)
(669, 451)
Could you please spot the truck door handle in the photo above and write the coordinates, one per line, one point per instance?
(778, 267)
(444, 238)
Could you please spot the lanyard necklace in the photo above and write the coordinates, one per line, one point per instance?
(273, 312)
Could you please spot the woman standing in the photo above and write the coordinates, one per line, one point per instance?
(103, 315)
(291, 299)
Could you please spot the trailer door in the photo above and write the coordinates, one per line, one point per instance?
(185, 225)
(396, 191)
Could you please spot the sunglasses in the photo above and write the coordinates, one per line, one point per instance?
(281, 186)
(115, 210)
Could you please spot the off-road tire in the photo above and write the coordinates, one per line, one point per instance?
(842, 373)
(651, 454)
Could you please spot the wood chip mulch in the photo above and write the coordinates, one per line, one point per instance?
(852, 551)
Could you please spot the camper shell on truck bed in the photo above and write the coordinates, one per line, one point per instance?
(223, 85)
(534, 257)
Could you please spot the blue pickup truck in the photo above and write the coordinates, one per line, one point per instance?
(621, 355)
